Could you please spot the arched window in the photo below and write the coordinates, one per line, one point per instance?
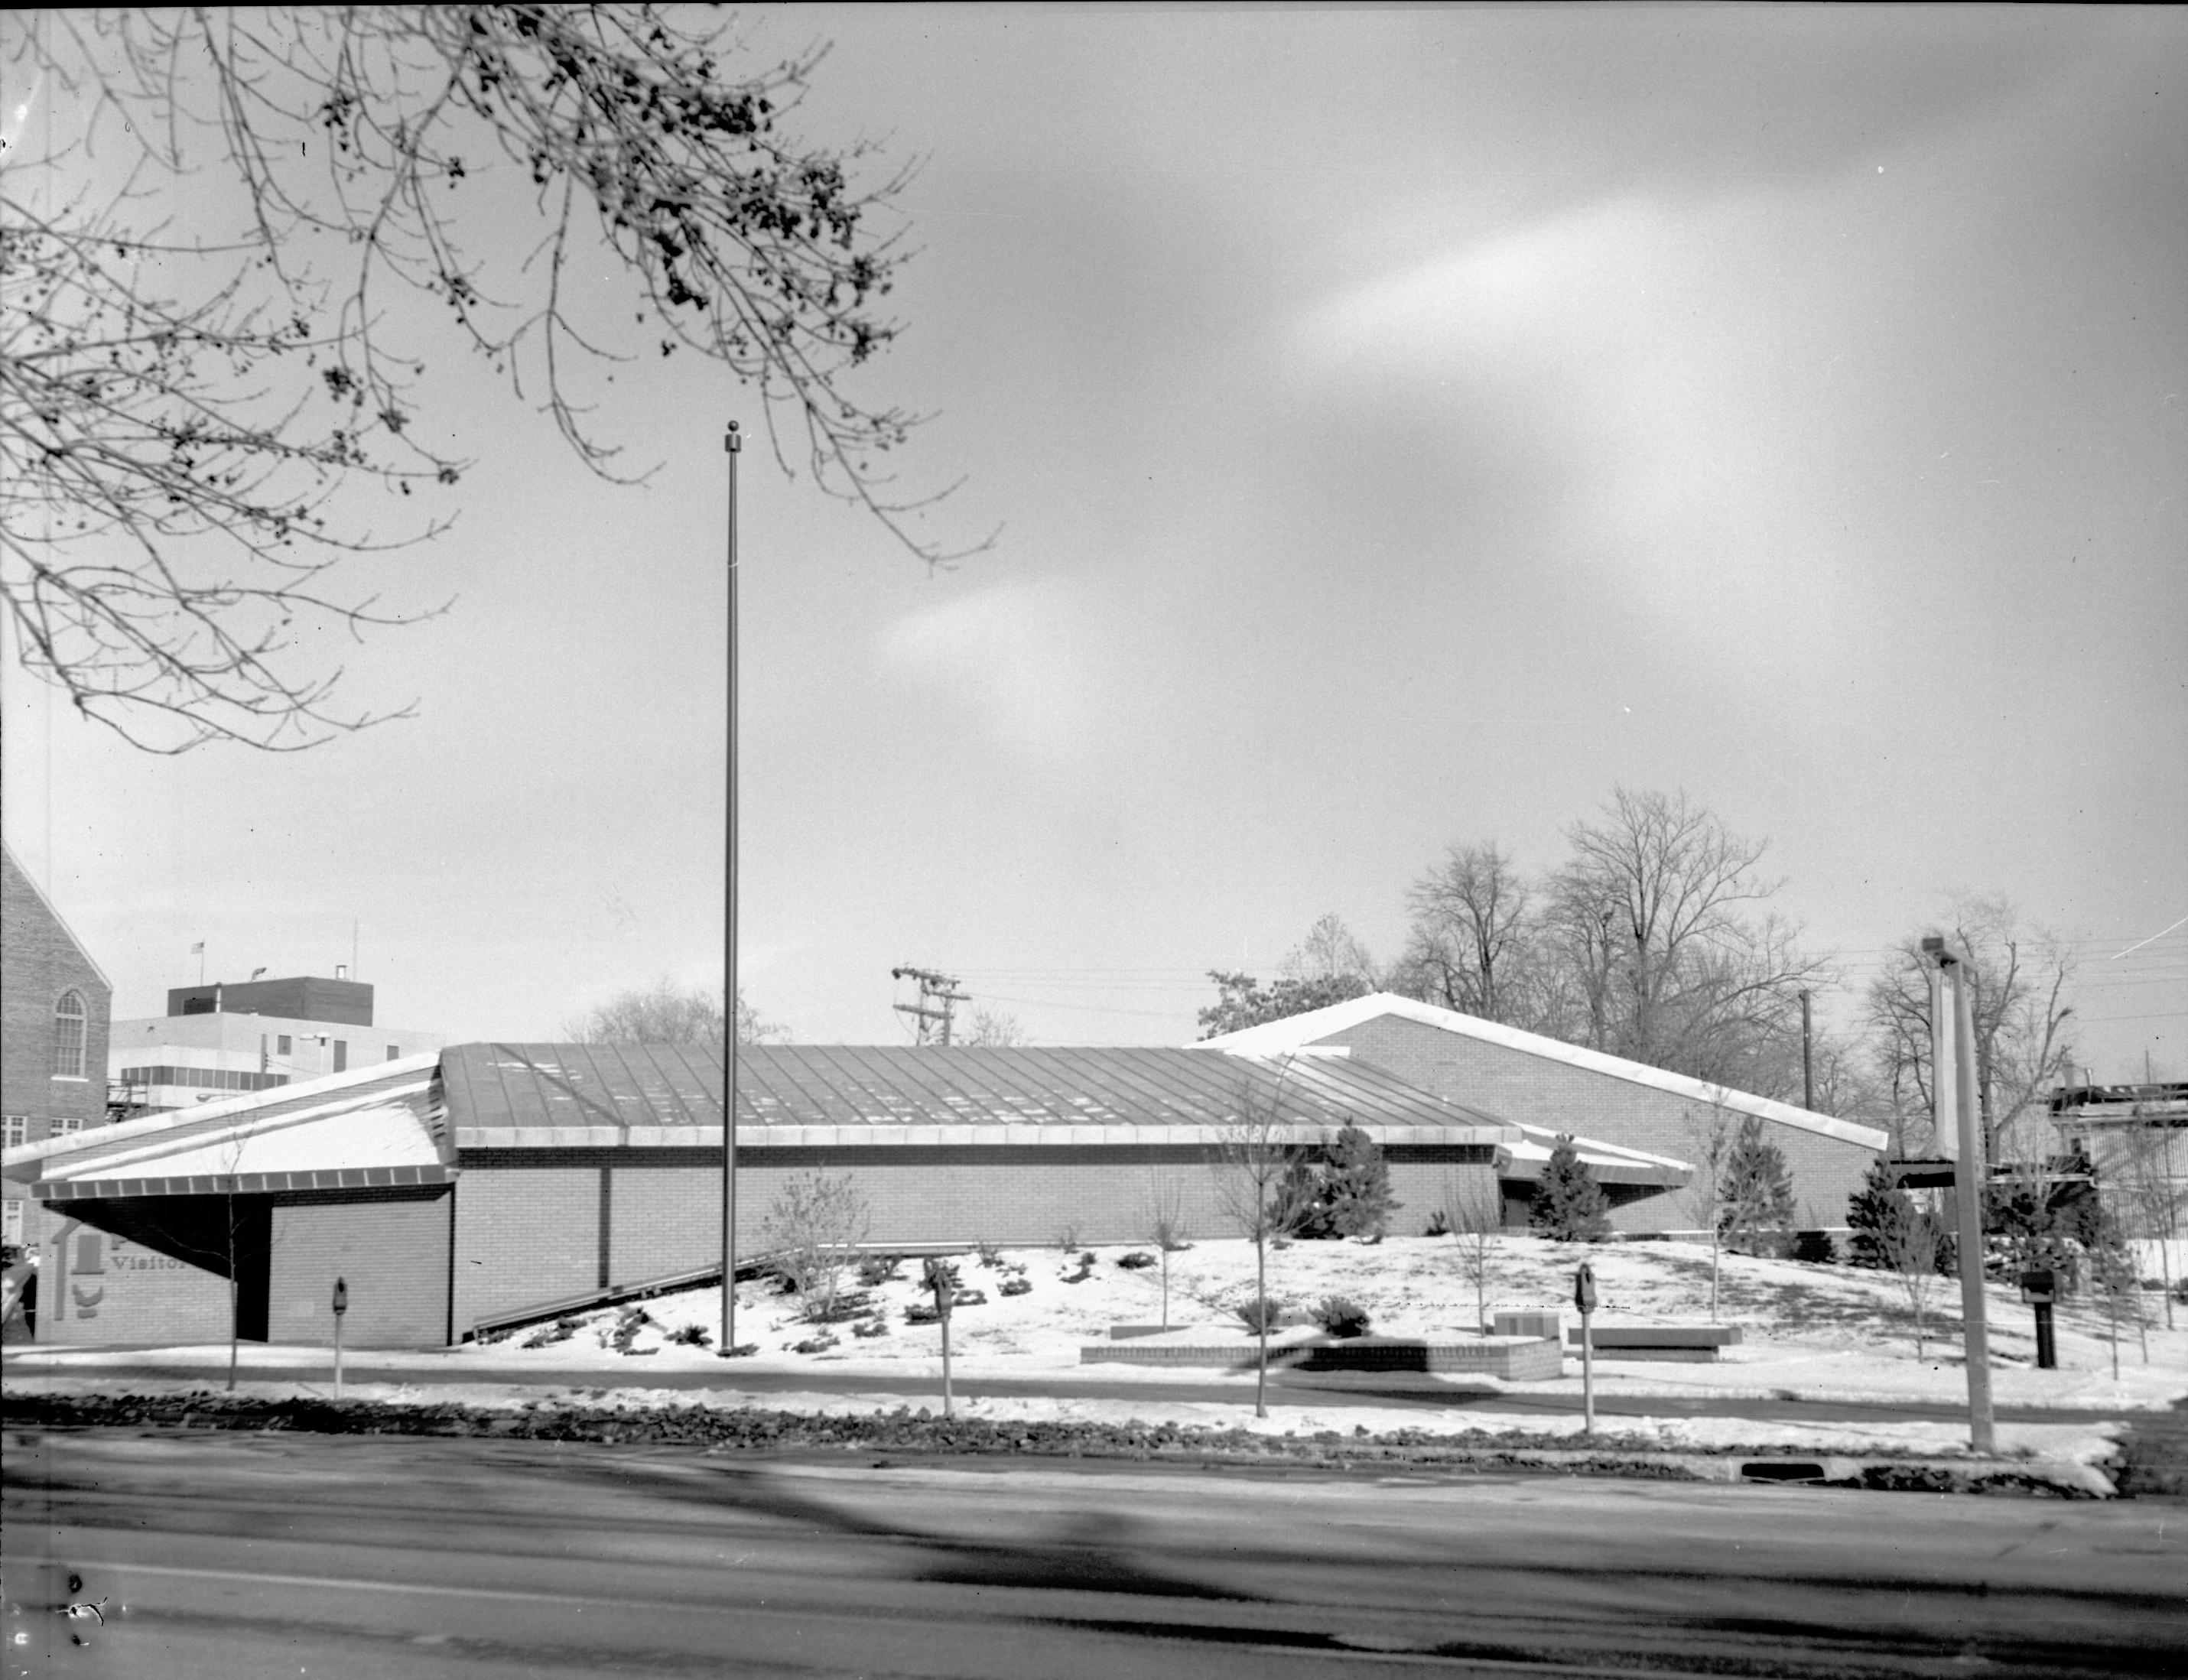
(68, 1036)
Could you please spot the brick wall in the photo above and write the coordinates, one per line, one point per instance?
(526, 1236)
(39, 961)
(529, 1221)
(1514, 1085)
(392, 1250)
(96, 1286)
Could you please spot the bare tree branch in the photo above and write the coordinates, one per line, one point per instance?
(210, 402)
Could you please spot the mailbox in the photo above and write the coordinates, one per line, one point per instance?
(1584, 1289)
(2036, 1289)
(341, 1297)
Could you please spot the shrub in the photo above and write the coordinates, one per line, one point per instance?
(1263, 1314)
(867, 1328)
(691, 1336)
(1438, 1226)
(815, 1221)
(1067, 1236)
(1875, 1213)
(990, 1255)
(969, 1298)
(628, 1324)
(1342, 1315)
(922, 1312)
(1016, 1286)
(1138, 1261)
(875, 1269)
(1816, 1247)
(819, 1344)
(548, 1335)
(1569, 1205)
(1754, 1198)
(1357, 1183)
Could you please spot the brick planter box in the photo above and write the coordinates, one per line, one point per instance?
(1525, 1359)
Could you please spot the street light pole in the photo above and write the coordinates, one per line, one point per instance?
(1952, 1039)
(731, 443)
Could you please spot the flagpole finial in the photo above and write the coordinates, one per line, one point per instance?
(730, 440)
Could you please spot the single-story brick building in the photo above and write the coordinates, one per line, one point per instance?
(1529, 1079)
(484, 1182)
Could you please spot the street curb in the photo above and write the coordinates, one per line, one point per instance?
(734, 1429)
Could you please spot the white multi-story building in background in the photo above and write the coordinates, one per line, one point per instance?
(218, 1039)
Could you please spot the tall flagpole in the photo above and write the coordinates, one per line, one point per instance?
(732, 443)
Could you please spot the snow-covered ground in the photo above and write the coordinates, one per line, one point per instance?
(1809, 1332)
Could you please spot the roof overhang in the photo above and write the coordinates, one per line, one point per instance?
(1606, 1163)
(375, 1128)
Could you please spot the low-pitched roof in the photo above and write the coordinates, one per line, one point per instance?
(370, 1128)
(1298, 1032)
(561, 1095)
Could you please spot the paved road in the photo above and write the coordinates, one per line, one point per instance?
(228, 1557)
(1301, 1388)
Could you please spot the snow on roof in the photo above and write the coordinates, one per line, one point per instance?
(569, 1096)
(379, 1125)
(1296, 1031)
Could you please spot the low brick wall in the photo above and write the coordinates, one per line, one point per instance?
(1530, 1359)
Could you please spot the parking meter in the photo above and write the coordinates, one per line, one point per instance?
(341, 1307)
(942, 1278)
(1584, 1299)
(2040, 1289)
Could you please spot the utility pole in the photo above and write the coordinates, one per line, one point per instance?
(1807, 1056)
(937, 995)
(731, 444)
(1954, 1094)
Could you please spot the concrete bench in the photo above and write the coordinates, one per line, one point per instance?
(1524, 1359)
(1694, 1344)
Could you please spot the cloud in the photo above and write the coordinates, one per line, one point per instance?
(1012, 653)
(1657, 351)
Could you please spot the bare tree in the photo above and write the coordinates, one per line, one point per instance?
(1167, 1228)
(665, 1012)
(1256, 1156)
(2023, 1044)
(1661, 952)
(995, 1029)
(1911, 1247)
(1470, 934)
(2144, 1170)
(1711, 1134)
(211, 398)
(816, 1222)
(1331, 952)
(1476, 1219)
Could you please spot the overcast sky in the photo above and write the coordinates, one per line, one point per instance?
(1403, 428)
